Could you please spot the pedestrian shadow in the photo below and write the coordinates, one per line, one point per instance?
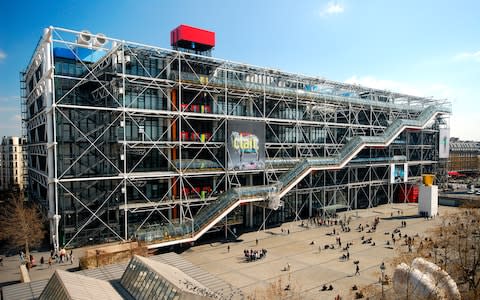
(410, 217)
(272, 233)
(232, 241)
(240, 260)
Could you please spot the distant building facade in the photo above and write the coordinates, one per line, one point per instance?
(464, 156)
(12, 162)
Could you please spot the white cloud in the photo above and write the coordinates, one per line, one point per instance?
(332, 8)
(475, 56)
(6, 100)
(10, 123)
(464, 119)
(3, 55)
(465, 125)
(9, 109)
(16, 118)
(436, 90)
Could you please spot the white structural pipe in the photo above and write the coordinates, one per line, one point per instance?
(50, 124)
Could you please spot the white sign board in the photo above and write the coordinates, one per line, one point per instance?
(444, 143)
(398, 173)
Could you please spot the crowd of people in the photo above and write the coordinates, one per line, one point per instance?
(339, 226)
(327, 221)
(61, 257)
(253, 255)
(29, 260)
(56, 257)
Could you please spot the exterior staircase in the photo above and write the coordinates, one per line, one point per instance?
(229, 200)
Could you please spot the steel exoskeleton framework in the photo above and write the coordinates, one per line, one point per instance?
(123, 137)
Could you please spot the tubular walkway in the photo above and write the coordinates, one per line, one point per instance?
(210, 215)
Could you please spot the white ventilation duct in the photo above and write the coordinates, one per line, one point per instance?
(84, 37)
(99, 40)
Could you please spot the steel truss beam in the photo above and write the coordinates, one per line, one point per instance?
(123, 174)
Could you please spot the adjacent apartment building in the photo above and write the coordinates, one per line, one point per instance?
(130, 141)
(12, 163)
(464, 156)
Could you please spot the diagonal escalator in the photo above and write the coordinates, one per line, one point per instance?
(229, 200)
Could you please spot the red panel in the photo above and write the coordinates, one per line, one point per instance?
(191, 34)
(410, 195)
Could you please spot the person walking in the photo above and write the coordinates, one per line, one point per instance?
(228, 249)
(256, 242)
(49, 262)
(357, 270)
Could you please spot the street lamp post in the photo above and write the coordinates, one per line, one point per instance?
(382, 269)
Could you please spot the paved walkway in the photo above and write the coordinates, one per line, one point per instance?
(310, 268)
(10, 271)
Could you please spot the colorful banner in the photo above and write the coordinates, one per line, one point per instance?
(246, 145)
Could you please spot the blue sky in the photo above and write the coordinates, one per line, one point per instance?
(428, 48)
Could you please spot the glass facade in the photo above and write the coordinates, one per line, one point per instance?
(141, 139)
(143, 281)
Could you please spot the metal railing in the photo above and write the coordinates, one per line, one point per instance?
(286, 91)
(233, 196)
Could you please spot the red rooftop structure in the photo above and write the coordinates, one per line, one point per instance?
(192, 38)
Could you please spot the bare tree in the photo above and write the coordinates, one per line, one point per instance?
(465, 250)
(278, 289)
(455, 247)
(21, 224)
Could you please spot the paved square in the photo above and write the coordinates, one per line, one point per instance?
(311, 268)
